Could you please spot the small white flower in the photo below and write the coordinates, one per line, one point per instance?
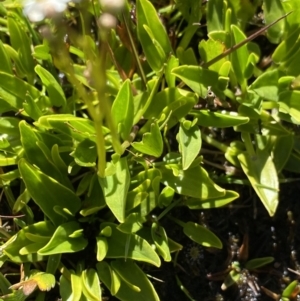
(38, 10)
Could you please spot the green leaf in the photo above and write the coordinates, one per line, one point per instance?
(48, 193)
(38, 154)
(13, 90)
(115, 188)
(102, 247)
(209, 49)
(31, 107)
(10, 126)
(85, 153)
(289, 290)
(232, 278)
(229, 196)
(201, 235)
(189, 138)
(266, 85)
(147, 16)
(289, 103)
(133, 223)
(273, 10)
(220, 119)
(160, 239)
(22, 44)
(215, 15)
(166, 196)
(5, 60)
(122, 245)
(240, 56)
(257, 263)
(136, 276)
(152, 143)
(70, 289)
(55, 91)
(76, 127)
(262, 174)
(38, 232)
(94, 200)
(193, 182)
(197, 78)
(171, 64)
(90, 285)
(122, 110)
(63, 242)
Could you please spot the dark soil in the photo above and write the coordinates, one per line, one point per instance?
(277, 237)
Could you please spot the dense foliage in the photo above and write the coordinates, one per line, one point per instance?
(111, 117)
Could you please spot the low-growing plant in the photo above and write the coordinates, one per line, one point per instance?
(103, 120)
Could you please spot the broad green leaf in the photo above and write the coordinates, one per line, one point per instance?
(136, 247)
(133, 223)
(289, 103)
(240, 56)
(48, 193)
(13, 90)
(160, 239)
(215, 15)
(5, 60)
(170, 105)
(38, 155)
(62, 242)
(257, 263)
(282, 154)
(136, 277)
(201, 235)
(94, 200)
(55, 91)
(220, 119)
(122, 110)
(85, 153)
(90, 285)
(189, 138)
(152, 143)
(193, 182)
(273, 10)
(102, 247)
(22, 44)
(166, 196)
(10, 126)
(209, 49)
(229, 196)
(75, 127)
(197, 78)
(70, 289)
(31, 107)
(115, 188)
(42, 231)
(266, 85)
(262, 175)
(147, 16)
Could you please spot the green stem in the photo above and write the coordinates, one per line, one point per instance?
(169, 208)
(248, 144)
(177, 221)
(221, 146)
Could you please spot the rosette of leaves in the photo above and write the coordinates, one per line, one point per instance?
(86, 176)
